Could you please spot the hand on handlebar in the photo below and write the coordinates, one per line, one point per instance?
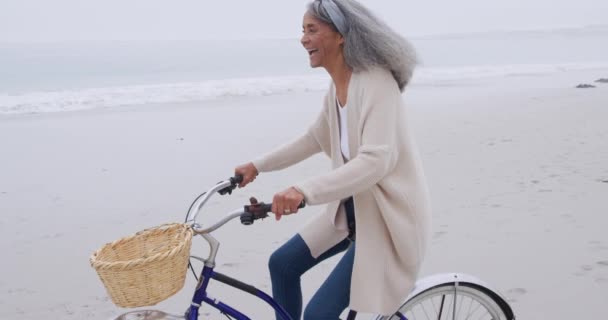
(248, 171)
(286, 202)
(259, 210)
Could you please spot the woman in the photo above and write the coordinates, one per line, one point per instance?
(376, 181)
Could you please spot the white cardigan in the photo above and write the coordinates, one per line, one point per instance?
(385, 178)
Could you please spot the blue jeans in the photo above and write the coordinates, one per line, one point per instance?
(288, 263)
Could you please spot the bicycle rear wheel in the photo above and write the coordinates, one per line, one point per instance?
(455, 302)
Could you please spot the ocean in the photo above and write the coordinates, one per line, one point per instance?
(56, 77)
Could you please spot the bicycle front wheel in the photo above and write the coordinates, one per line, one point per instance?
(454, 302)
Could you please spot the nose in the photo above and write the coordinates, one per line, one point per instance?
(304, 40)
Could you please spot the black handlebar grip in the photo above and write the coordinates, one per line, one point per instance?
(237, 179)
(247, 218)
(267, 207)
(234, 182)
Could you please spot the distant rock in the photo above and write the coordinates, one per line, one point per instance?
(584, 86)
(602, 80)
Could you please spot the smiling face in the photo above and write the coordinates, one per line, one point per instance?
(323, 43)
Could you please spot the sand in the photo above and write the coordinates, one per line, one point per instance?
(517, 169)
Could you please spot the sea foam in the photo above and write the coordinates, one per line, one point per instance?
(110, 97)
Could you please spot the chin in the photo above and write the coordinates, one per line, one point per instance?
(314, 64)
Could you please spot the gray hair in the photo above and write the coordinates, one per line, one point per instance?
(368, 41)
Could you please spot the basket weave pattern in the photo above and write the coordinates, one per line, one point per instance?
(146, 268)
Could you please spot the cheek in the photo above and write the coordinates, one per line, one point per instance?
(315, 40)
(330, 46)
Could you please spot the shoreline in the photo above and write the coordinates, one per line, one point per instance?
(234, 90)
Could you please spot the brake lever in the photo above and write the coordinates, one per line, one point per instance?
(254, 211)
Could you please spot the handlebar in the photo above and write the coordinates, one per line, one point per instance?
(256, 211)
(234, 182)
(222, 187)
(248, 214)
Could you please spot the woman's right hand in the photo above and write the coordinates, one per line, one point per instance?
(248, 171)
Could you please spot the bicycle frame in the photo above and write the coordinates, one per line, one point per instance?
(200, 296)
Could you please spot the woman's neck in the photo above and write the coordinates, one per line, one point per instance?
(340, 74)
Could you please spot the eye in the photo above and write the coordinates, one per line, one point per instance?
(309, 30)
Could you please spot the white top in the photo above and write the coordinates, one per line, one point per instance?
(343, 131)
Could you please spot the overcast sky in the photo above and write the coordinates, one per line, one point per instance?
(61, 20)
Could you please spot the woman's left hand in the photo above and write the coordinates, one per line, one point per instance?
(286, 202)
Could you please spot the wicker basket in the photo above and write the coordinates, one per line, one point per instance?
(146, 268)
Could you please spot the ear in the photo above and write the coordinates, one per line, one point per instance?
(340, 39)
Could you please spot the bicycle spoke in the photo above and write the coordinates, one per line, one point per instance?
(447, 316)
(482, 316)
(460, 305)
(441, 307)
(455, 302)
(477, 308)
(424, 310)
(469, 310)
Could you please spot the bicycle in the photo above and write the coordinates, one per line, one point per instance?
(440, 296)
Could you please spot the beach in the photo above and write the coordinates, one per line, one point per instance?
(516, 167)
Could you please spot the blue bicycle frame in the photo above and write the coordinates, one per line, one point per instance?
(200, 296)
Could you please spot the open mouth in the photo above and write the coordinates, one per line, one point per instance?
(312, 51)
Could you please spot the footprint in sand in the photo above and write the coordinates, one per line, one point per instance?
(597, 246)
(603, 263)
(20, 291)
(52, 236)
(514, 293)
(517, 291)
(103, 298)
(230, 265)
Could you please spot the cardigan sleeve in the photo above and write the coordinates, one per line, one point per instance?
(298, 149)
(377, 154)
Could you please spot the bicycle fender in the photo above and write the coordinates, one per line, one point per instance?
(435, 280)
